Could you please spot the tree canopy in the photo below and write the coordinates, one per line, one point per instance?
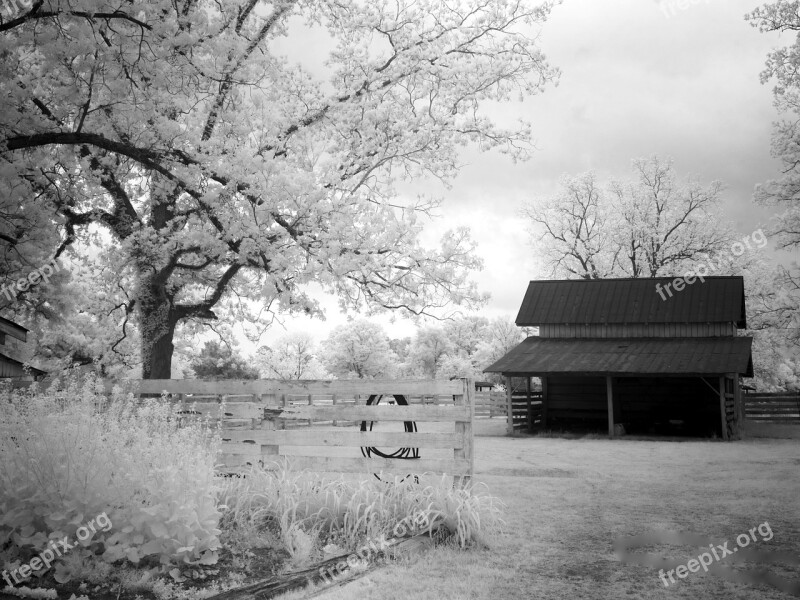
(219, 176)
(781, 307)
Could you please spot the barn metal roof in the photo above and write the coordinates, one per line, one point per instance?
(13, 361)
(626, 356)
(585, 301)
(13, 329)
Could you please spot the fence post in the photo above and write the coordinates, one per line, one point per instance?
(465, 432)
(530, 406)
(510, 408)
(266, 425)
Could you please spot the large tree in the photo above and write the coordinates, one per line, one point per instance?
(222, 172)
(780, 305)
(650, 225)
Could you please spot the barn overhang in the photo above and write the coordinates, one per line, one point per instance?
(657, 357)
(12, 361)
(16, 331)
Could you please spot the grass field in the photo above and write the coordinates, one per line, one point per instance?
(568, 500)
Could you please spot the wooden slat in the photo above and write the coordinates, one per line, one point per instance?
(380, 412)
(233, 410)
(242, 449)
(340, 387)
(356, 439)
(335, 464)
(342, 412)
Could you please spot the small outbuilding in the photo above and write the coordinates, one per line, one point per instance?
(623, 355)
(15, 352)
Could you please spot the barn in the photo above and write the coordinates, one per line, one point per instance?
(623, 355)
(15, 351)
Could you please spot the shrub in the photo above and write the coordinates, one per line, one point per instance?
(72, 452)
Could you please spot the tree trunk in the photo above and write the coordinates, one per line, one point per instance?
(158, 321)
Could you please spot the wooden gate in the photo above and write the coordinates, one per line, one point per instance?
(259, 414)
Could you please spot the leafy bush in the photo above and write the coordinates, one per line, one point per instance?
(72, 452)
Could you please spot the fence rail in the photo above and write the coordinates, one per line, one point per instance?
(259, 418)
(526, 418)
(778, 407)
(490, 404)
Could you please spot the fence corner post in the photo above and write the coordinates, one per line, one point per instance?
(465, 432)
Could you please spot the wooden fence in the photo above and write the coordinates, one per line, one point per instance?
(260, 418)
(490, 404)
(526, 410)
(778, 407)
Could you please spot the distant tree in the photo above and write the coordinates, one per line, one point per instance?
(217, 361)
(428, 351)
(455, 366)
(652, 225)
(775, 326)
(359, 349)
(402, 349)
(571, 230)
(466, 333)
(292, 356)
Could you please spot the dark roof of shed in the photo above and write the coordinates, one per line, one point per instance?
(14, 361)
(583, 301)
(14, 329)
(628, 356)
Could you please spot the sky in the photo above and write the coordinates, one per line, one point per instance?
(677, 78)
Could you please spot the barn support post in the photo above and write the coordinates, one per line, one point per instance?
(738, 404)
(510, 406)
(530, 407)
(722, 407)
(544, 403)
(610, 395)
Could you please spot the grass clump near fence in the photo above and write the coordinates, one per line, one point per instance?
(311, 514)
(131, 484)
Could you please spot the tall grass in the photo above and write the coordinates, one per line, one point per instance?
(349, 513)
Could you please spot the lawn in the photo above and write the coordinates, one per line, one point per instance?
(568, 500)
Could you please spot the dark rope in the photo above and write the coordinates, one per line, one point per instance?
(402, 453)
